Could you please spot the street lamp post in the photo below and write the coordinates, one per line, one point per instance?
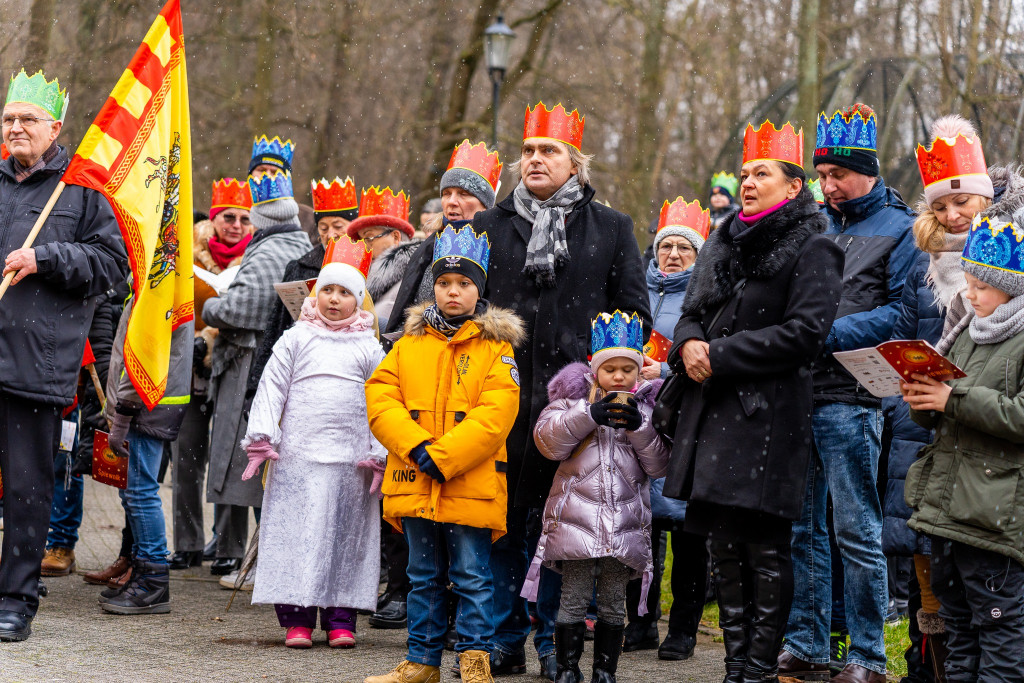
(497, 42)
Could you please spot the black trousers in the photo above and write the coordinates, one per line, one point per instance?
(689, 579)
(395, 549)
(29, 437)
(982, 596)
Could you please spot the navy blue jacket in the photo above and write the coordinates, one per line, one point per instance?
(919, 318)
(874, 233)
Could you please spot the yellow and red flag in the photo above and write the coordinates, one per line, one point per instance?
(138, 153)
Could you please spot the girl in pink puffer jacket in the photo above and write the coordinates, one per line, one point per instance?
(597, 520)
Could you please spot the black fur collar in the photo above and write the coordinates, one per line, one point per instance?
(736, 251)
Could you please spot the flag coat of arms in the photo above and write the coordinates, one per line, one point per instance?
(137, 152)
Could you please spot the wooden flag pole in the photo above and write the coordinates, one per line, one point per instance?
(34, 232)
(91, 367)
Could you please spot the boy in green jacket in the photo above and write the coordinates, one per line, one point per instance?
(966, 489)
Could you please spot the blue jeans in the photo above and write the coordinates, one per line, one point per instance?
(510, 558)
(68, 494)
(439, 553)
(141, 500)
(847, 441)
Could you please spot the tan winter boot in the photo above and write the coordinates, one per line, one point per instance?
(476, 666)
(58, 561)
(410, 672)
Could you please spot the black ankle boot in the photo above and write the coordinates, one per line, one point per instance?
(147, 592)
(732, 618)
(607, 647)
(568, 650)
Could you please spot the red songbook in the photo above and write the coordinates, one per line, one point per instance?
(881, 368)
(658, 347)
(108, 467)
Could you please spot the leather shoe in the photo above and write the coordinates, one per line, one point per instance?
(503, 664)
(223, 566)
(392, 615)
(677, 646)
(641, 636)
(186, 559)
(104, 576)
(548, 666)
(794, 667)
(14, 626)
(855, 673)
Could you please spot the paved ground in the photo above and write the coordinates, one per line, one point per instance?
(199, 640)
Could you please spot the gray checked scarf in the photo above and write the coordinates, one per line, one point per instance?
(547, 248)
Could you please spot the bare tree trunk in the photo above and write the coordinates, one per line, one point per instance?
(330, 137)
(37, 47)
(808, 81)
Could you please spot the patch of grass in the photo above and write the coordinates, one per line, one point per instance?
(897, 638)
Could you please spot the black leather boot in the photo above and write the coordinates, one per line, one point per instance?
(568, 650)
(607, 648)
(770, 573)
(147, 592)
(732, 618)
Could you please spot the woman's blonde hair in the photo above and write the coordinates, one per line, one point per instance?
(929, 233)
(580, 161)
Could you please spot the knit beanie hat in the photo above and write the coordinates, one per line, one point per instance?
(849, 139)
(470, 182)
(993, 252)
(954, 163)
(475, 170)
(282, 211)
(344, 275)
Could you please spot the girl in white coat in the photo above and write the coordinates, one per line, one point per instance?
(320, 528)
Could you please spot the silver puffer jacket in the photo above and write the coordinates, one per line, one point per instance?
(599, 504)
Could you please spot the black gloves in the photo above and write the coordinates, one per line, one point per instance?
(422, 458)
(617, 415)
(199, 349)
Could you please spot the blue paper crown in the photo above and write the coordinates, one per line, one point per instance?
(282, 151)
(854, 133)
(270, 187)
(463, 243)
(616, 331)
(995, 243)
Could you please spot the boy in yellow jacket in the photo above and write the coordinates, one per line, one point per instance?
(442, 403)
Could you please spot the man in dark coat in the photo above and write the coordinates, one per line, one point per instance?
(872, 225)
(558, 258)
(44, 318)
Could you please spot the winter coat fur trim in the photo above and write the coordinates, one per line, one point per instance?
(574, 381)
(1011, 179)
(931, 624)
(775, 240)
(496, 324)
(389, 268)
(201, 234)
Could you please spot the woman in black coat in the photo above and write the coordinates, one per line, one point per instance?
(758, 309)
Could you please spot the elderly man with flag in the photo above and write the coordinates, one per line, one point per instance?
(44, 318)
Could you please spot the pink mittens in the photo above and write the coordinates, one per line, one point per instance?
(258, 452)
(377, 468)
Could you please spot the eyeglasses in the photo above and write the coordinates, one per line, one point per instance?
(26, 121)
(369, 240)
(669, 248)
(232, 218)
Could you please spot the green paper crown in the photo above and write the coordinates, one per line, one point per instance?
(36, 90)
(726, 181)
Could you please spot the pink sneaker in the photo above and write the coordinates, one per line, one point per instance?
(340, 637)
(299, 636)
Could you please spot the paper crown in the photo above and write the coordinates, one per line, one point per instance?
(850, 129)
(557, 124)
(338, 195)
(616, 331)
(270, 188)
(679, 214)
(995, 243)
(726, 181)
(815, 187)
(377, 202)
(272, 152)
(948, 159)
(477, 159)
(35, 89)
(344, 250)
(228, 193)
(463, 243)
(776, 144)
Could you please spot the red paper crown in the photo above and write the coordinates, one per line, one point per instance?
(679, 214)
(377, 202)
(339, 195)
(557, 124)
(229, 193)
(944, 161)
(344, 250)
(475, 158)
(777, 144)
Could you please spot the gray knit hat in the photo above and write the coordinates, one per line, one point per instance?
(691, 235)
(278, 212)
(470, 182)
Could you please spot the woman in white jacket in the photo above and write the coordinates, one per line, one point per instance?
(320, 530)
